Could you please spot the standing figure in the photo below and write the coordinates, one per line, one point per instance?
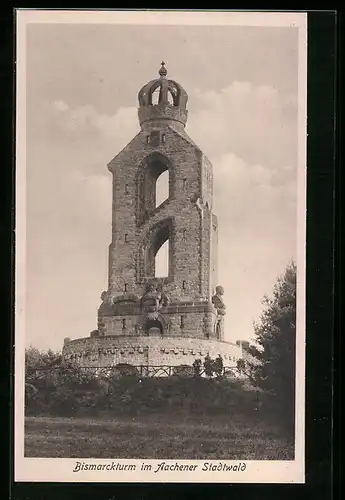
(218, 303)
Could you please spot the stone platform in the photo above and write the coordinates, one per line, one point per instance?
(112, 350)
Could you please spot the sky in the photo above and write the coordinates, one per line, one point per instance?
(81, 92)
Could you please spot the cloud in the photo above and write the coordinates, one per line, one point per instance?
(68, 233)
(248, 133)
(60, 106)
(256, 123)
(246, 193)
(252, 188)
(82, 120)
(256, 209)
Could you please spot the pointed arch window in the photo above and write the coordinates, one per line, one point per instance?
(156, 252)
(156, 262)
(155, 184)
(162, 188)
(162, 261)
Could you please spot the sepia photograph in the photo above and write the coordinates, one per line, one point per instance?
(160, 246)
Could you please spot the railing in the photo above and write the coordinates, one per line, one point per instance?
(136, 370)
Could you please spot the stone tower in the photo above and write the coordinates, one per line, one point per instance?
(139, 228)
(151, 318)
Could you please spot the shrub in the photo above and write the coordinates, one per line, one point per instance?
(66, 390)
(208, 365)
(183, 371)
(197, 368)
(126, 370)
(218, 366)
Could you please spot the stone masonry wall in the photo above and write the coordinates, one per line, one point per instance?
(186, 160)
(109, 351)
(180, 324)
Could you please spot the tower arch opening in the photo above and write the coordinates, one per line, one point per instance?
(155, 252)
(153, 328)
(162, 261)
(162, 188)
(155, 97)
(155, 184)
(157, 243)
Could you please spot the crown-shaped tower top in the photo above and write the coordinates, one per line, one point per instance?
(170, 105)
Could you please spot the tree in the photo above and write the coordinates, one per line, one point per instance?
(208, 366)
(271, 360)
(218, 366)
(40, 360)
(36, 359)
(54, 386)
(197, 368)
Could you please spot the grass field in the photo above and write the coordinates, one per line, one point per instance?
(156, 437)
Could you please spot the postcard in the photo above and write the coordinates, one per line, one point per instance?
(160, 246)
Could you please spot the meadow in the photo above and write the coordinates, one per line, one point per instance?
(153, 436)
(78, 415)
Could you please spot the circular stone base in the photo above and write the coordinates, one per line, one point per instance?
(142, 351)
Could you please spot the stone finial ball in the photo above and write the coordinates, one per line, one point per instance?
(219, 290)
(163, 71)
